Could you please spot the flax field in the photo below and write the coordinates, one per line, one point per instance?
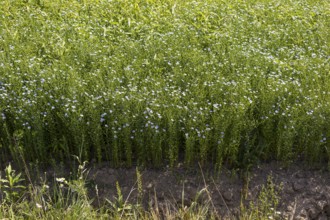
(157, 82)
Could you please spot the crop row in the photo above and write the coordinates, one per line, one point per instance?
(155, 82)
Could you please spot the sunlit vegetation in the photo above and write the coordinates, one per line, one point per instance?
(154, 82)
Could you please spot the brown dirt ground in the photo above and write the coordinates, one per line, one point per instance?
(305, 192)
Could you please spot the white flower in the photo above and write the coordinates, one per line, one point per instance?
(61, 180)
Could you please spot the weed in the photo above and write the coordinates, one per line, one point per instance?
(266, 204)
(11, 185)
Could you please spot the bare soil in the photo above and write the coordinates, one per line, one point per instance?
(304, 192)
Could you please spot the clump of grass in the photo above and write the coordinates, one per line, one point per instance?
(265, 207)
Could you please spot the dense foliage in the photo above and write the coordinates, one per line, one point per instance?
(157, 81)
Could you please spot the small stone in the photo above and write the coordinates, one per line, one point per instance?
(321, 204)
(289, 208)
(149, 186)
(313, 213)
(302, 215)
(297, 186)
(228, 195)
(315, 191)
(289, 190)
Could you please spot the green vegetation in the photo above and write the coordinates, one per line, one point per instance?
(149, 82)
